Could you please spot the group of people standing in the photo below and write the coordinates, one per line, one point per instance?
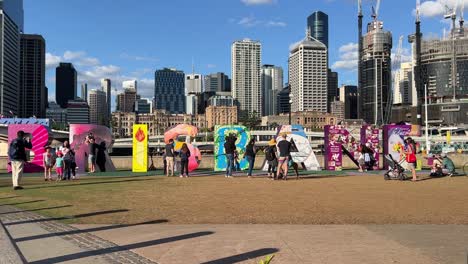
(62, 159)
(169, 159)
(277, 155)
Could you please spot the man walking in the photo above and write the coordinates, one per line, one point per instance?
(17, 155)
(229, 149)
(284, 149)
(170, 157)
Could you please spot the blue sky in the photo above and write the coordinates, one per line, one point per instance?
(129, 39)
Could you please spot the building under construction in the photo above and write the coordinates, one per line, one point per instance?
(441, 68)
(375, 69)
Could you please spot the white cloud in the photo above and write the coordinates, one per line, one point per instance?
(348, 57)
(146, 88)
(258, 2)
(73, 55)
(276, 24)
(252, 21)
(435, 8)
(52, 60)
(138, 58)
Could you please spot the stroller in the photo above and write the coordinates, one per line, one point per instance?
(396, 171)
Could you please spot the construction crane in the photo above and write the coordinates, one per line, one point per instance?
(375, 11)
(395, 64)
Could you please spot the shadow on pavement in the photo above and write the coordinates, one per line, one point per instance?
(37, 209)
(115, 249)
(32, 221)
(35, 201)
(244, 256)
(89, 230)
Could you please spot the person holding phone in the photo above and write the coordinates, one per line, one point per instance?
(17, 155)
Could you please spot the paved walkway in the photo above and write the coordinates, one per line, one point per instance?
(44, 240)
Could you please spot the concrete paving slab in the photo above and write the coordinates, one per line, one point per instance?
(299, 243)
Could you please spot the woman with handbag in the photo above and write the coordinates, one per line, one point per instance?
(410, 152)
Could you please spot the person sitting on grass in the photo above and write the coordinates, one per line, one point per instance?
(448, 165)
(59, 166)
(47, 163)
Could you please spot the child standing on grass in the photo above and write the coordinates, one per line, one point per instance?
(47, 163)
(59, 164)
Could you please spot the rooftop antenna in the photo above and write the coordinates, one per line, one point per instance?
(462, 20)
(193, 66)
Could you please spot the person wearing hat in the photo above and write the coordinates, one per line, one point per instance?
(448, 165)
(271, 159)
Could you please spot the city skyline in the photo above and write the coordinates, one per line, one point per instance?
(134, 54)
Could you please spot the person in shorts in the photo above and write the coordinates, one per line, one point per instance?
(284, 149)
(59, 166)
(92, 155)
(170, 157)
(410, 152)
(47, 164)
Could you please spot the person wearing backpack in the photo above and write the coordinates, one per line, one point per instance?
(272, 160)
(17, 155)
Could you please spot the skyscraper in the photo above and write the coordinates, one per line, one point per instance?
(317, 23)
(332, 88)
(376, 74)
(245, 72)
(98, 107)
(65, 83)
(193, 83)
(272, 83)
(11, 25)
(217, 82)
(308, 75)
(126, 101)
(349, 96)
(106, 86)
(77, 111)
(169, 90)
(32, 92)
(403, 90)
(84, 91)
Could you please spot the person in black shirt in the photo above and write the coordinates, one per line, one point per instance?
(17, 155)
(250, 152)
(184, 160)
(271, 158)
(229, 149)
(170, 157)
(101, 156)
(284, 149)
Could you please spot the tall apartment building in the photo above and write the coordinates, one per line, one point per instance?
(193, 87)
(272, 83)
(98, 107)
(349, 96)
(106, 86)
(217, 82)
(283, 101)
(126, 100)
(403, 90)
(332, 88)
(308, 75)
(65, 84)
(376, 74)
(169, 90)
(32, 91)
(245, 72)
(11, 26)
(317, 24)
(84, 91)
